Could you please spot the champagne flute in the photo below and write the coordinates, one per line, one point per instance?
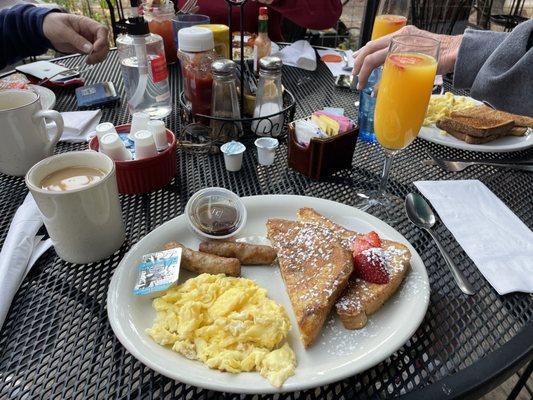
(403, 96)
(392, 16)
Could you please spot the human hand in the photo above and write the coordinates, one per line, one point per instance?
(373, 54)
(71, 33)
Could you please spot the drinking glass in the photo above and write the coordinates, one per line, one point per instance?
(392, 15)
(403, 96)
(181, 21)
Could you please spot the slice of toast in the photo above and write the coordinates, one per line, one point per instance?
(362, 298)
(482, 111)
(457, 132)
(476, 126)
(315, 269)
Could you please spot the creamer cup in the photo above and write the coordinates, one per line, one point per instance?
(266, 150)
(233, 152)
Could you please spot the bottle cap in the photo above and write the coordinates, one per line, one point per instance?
(263, 11)
(270, 63)
(159, 132)
(195, 39)
(103, 128)
(223, 67)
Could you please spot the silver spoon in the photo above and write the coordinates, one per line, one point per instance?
(420, 213)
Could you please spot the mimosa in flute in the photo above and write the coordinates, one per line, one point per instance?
(401, 104)
(404, 93)
(385, 24)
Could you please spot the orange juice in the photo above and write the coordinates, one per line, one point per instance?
(385, 24)
(403, 97)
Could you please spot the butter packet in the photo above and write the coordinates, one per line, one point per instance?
(157, 272)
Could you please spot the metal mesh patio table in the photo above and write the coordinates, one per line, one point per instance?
(57, 343)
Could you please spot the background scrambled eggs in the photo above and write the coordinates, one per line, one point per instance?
(442, 106)
(228, 323)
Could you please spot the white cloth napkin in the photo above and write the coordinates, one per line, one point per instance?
(79, 125)
(299, 54)
(336, 67)
(17, 252)
(498, 242)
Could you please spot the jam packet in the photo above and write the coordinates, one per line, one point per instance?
(157, 272)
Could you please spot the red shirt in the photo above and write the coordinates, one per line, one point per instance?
(312, 14)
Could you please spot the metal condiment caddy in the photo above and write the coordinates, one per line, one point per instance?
(205, 133)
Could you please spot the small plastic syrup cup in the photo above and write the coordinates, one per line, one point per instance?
(266, 150)
(233, 152)
(215, 213)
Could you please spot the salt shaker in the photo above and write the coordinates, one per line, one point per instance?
(159, 132)
(144, 144)
(111, 145)
(225, 102)
(269, 98)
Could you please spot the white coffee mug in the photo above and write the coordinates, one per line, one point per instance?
(24, 139)
(85, 224)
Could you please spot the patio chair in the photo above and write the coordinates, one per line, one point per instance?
(512, 19)
(442, 16)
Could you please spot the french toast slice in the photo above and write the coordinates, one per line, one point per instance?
(361, 298)
(315, 268)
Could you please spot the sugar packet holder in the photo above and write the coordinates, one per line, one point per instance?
(157, 272)
(322, 156)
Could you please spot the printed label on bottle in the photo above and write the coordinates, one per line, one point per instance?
(159, 68)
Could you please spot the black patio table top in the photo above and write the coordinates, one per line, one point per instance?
(57, 343)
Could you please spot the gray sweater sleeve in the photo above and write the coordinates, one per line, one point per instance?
(498, 67)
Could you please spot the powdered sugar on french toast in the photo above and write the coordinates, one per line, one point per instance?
(387, 257)
(339, 341)
(313, 246)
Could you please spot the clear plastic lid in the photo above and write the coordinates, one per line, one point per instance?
(216, 213)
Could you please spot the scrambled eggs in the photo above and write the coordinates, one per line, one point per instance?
(227, 323)
(442, 106)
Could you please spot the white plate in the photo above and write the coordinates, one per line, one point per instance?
(48, 98)
(505, 144)
(337, 353)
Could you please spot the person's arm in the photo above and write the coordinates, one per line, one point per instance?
(498, 68)
(26, 30)
(21, 32)
(312, 14)
(475, 48)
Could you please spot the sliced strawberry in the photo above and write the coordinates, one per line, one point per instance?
(373, 238)
(368, 263)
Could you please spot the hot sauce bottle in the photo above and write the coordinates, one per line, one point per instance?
(262, 44)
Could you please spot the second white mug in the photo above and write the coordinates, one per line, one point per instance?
(23, 132)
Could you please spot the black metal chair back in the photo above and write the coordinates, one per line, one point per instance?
(441, 16)
(116, 13)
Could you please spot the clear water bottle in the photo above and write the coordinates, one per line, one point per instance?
(144, 68)
(367, 105)
(225, 102)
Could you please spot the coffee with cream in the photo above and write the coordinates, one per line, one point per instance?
(71, 178)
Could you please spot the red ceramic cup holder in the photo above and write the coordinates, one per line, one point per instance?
(147, 174)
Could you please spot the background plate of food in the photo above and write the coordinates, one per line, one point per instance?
(465, 123)
(333, 353)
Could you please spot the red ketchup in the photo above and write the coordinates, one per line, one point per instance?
(196, 54)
